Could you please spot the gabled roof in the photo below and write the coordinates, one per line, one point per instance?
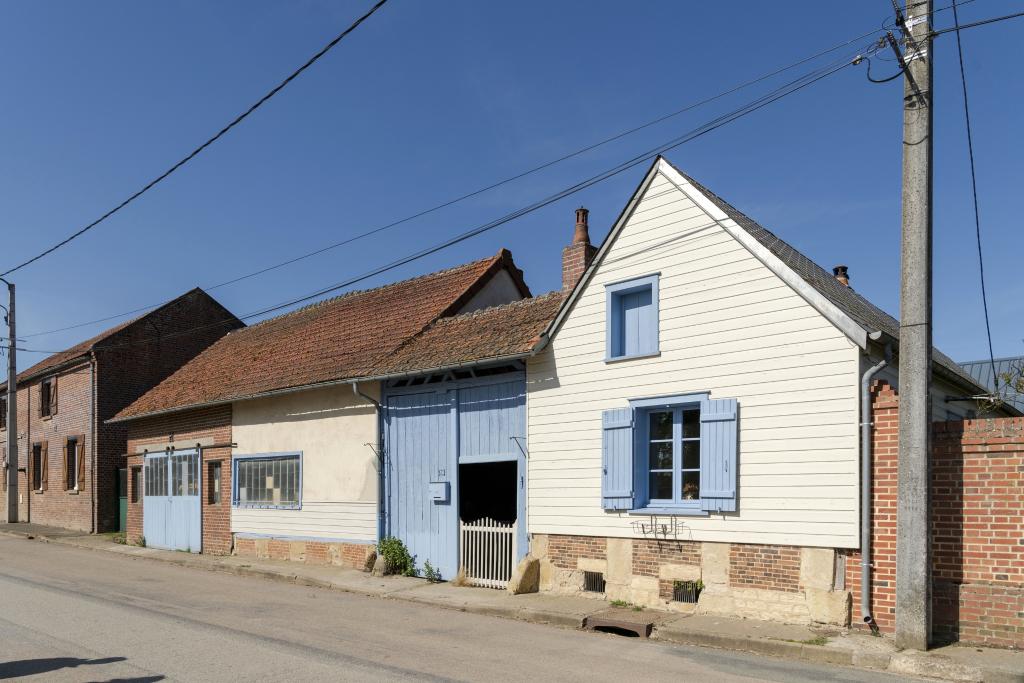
(348, 337)
(501, 332)
(857, 317)
(981, 371)
(83, 349)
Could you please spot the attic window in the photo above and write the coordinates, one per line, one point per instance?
(632, 318)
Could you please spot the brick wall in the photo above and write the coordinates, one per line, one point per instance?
(56, 506)
(768, 567)
(184, 428)
(564, 551)
(135, 359)
(650, 554)
(977, 497)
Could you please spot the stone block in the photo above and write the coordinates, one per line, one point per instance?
(589, 564)
(817, 568)
(547, 575)
(334, 553)
(526, 577)
(620, 561)
(539, 545)
(262, 548)
(714, 564)
(829, 607)
(679, 572)
(297, 551)
(380, 566)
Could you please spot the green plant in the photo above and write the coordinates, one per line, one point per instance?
(621, 603)
(431, 573)
(397, 559)
(141, 542)
(119, 538)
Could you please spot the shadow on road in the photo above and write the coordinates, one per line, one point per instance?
(31, 667)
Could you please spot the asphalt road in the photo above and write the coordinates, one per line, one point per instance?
(68, 614)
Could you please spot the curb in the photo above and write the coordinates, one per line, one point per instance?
(816, 654)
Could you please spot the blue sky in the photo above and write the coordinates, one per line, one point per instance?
(427, 101)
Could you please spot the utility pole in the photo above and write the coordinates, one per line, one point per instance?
(913, 561)
(12, 412)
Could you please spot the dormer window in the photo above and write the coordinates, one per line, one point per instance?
(632, 318)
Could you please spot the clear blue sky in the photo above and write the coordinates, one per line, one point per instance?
(429, 100)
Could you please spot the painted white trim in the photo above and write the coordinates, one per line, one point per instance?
(847, 325)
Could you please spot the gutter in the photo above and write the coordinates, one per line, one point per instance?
(92, 438)
(867, 421)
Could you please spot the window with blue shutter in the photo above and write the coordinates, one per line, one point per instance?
(674, 455)
(617, 459)
(632, 318)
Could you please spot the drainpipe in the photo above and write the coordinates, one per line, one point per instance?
(379, 451)
(867, 420)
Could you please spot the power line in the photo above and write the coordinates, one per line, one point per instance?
(974, 195)
(785, 90)
(238, 119)
(983, 22)
(492, 186)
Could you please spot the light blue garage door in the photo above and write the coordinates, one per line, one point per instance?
(171, 504)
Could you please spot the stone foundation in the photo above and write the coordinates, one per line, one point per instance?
(779, 583)
(340, 554)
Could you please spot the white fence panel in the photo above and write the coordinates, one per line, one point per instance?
(487, 550)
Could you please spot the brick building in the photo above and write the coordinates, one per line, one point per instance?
(69, 456)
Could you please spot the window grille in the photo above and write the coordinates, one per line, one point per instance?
(155, 476)
(270, 481)
(593, 582)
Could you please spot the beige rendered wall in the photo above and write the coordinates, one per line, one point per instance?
(331, 426)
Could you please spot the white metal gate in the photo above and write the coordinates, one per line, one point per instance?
(487, 552)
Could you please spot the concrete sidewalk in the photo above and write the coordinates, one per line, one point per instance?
(956, 663)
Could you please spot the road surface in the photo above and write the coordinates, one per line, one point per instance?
(70, 614)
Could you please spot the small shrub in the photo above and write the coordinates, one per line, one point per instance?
(621, 603)
(141, 542)
(431, 573)
(396, 556)
(119, 538)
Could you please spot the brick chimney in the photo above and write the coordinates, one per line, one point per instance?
(577, 256)
(842, 275)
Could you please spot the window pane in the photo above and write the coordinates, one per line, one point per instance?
(691, 424)
(661, 456)
(691, 455)
(661, 486)
(661, 425)
(691, 485)
(268, 481)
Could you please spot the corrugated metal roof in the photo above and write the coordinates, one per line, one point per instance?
(981, 371)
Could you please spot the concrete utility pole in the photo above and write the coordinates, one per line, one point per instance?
(913, 561)
(12, 413)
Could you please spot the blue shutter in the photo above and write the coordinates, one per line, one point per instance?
(617, 459)
(718, 439)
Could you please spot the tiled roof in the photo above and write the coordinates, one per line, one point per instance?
(503, 331)
(847, 299)
(981, 371)
(86, 347)
(346, 337)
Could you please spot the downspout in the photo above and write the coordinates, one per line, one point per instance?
(867, 420)
(379, 451)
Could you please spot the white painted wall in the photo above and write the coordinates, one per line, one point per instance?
(728, 325)
(500, 289)
(331, 426)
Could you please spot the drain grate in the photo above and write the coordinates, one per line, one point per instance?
(593, 582)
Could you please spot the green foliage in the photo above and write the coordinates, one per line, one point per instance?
(119, 538)
(431, 573)
(697, 585)
(141, 542)
(621, 603)
(397, 559)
